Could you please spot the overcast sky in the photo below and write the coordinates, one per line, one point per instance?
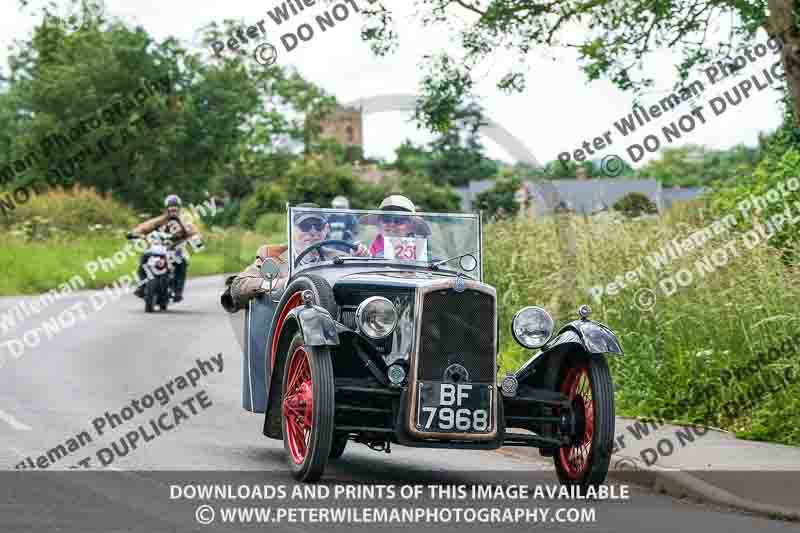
(557, 112)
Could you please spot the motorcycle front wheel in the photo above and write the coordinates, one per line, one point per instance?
(150, 294)
(163, 292)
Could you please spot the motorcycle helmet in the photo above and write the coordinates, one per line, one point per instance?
(340, 202)
(173, 200)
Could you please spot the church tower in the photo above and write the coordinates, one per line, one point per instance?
(345, 125)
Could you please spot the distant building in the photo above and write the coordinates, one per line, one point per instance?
(584, 196)
(680, 194)
(587, 196)
(345, 125)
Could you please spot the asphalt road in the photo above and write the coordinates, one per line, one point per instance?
(52, 393)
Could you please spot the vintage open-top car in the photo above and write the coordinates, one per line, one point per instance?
(401, 347)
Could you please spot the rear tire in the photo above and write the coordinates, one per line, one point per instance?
(587, 382)
(307, 409)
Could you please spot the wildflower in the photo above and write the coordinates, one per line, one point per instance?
(704, 354)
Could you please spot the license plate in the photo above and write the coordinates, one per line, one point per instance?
(454, 407)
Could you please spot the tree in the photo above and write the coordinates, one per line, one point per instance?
(215, 118)
(779, 164)
(618, 39)
(458, 154)
(696, 166)
(267, 198)
(635, 204)
(411, 159)
(499, 196)
(426, 195)
(316, 178)
(455, 157)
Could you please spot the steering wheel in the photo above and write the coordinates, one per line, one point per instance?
(330, 242)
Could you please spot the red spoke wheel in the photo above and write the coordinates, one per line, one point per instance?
(587, 383)
(307, 409)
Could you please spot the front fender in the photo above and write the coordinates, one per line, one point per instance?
(316, 324)
(586, 336)
(593, 337)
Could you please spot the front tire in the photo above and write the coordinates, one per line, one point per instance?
(307, 409)
(163, 293)
(338, 446)
(587, 382)
(150, 293)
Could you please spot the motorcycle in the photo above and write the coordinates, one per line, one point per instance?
(342, 228)
(159, 260)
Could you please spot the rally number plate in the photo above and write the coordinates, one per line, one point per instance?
(454, 408)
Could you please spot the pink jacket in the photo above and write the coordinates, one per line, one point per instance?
(376, 248)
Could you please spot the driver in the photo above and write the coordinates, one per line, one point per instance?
(309, 229)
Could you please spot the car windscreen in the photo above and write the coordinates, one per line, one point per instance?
(399, 237)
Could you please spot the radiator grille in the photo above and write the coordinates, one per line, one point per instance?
(457, 328)
(348, 318)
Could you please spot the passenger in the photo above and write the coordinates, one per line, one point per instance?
(396, 223)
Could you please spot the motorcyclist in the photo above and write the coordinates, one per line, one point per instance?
(308, 228)
(182, 230)
(343, 225)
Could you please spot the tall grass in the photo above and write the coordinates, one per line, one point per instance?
(74, 209)
(680, 345)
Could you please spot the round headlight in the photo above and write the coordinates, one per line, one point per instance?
(532, 327)
(376, 317)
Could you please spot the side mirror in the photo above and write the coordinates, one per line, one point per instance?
(468, 263)
(270, 268)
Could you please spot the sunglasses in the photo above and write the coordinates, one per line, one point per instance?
(308, 225)
(395, 219)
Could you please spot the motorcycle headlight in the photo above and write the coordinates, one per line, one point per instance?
(532, 327)
(376, 317)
